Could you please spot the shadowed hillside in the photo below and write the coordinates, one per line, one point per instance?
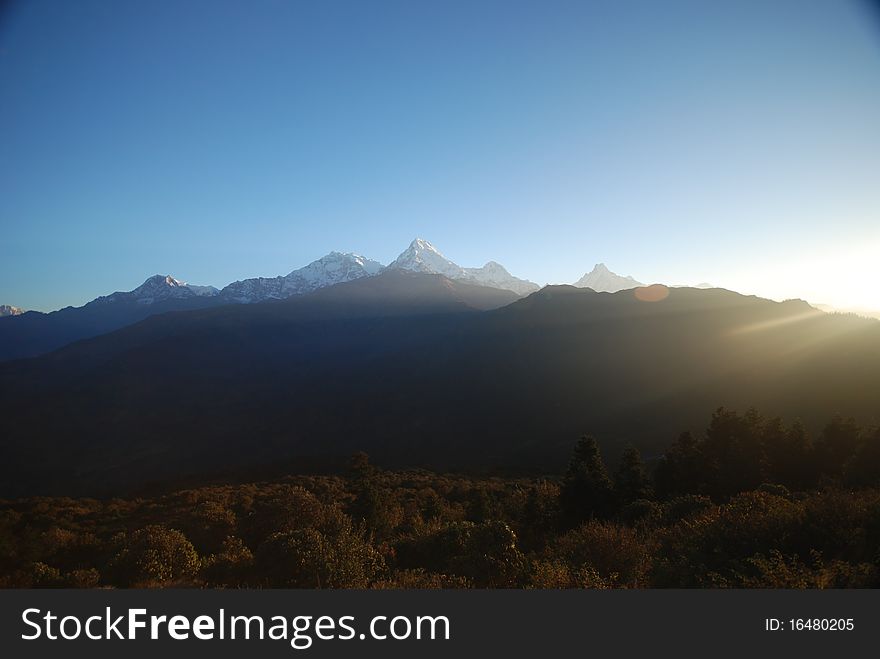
(404, 367)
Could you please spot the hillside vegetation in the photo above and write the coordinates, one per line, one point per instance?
(752, 502)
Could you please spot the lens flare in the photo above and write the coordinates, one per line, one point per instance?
(654, 293)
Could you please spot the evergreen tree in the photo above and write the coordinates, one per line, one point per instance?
(370, 504)
(586, 488)
(630, 480)
(791, 458)
(359, 468)
(836, 446)
(863, 469)
(682, 470)
(734, 449)
(370, 508)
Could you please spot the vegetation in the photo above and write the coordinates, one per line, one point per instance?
(753, 503)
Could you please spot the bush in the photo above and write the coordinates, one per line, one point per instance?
(707, 550)
(44, 576)
(154, 556)
(641, 512)
(557, 574)
(485, 553)
(231, 566)
(307, 558)
(779, 571)
(686, 505)
(421, 580)
(87, 578)
(615, 552)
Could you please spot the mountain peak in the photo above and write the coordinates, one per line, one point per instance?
(156, 283)
(158, 288)
(370, 267)
(422, 256)
(159, 280)
(421, 245)
(602, 280)
(333, 268)
(9, 310)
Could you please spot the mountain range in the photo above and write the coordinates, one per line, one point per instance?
(418, 370)
(34, 333)
(338, 267)
(422, 256)
(335, 268)
(421, 363)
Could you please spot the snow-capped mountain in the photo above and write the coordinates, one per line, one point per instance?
(602, 280)
(35, 333)
(495, 275)
(422, 256)
(338, 267)
(158, 288)
(335, 268)
(9, 310)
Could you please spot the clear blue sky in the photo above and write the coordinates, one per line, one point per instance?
(730, 142)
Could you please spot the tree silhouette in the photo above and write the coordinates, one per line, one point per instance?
(586, 488)
(836, 445)
(682, 469)
(734, 451)
(791, 458)
(863, 469)
(631, 481)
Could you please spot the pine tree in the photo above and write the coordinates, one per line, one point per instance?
(683, 468)
(586, 488)
(370, 503)
(359, 467)
(735, 452)
(791, 458)
(836, 446)
(631, 481)
(864, 468)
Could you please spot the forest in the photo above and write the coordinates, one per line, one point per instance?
(753, 502)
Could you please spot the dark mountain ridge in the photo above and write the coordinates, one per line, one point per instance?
(35, 333)
(405, 367)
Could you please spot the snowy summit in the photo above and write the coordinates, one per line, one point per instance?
(157, 289)
(422, 256)
(602, 280)
(335, 268)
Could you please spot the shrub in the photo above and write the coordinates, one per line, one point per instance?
(421, 580)
(307, 558)
(154, 556)
(485, 553)
(615, 552)
(231, 566)
(44, 576)
(557, 574)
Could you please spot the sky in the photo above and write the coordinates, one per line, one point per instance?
(733, 143)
